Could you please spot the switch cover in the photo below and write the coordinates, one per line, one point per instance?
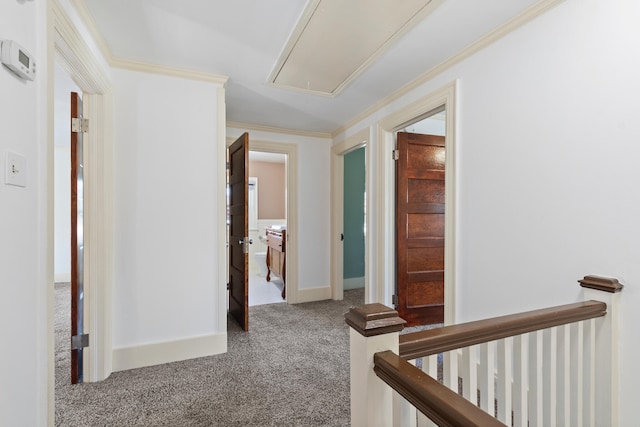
(15, 172)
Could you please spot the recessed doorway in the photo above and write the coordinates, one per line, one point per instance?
(267, 211)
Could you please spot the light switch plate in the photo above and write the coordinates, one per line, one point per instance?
(15, 171)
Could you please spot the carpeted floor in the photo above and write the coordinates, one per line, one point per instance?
(291, 369)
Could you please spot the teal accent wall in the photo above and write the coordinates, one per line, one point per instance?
(354, 193)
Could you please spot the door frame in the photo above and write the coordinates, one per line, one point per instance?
(291, 172)
(338, 151)
(68, 48)
(441, 99)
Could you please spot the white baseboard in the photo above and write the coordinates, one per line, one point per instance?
(62, 277)
(170, 351)
(313, 294)
(353, 283)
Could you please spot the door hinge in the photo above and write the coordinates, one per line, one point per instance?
(79, 125)
(228, 285)
(395, 154)
(79, 341)
(394, 299)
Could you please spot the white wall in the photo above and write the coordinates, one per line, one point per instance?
(313, 203)
(166, 217)
(547, 140)
(23, 227)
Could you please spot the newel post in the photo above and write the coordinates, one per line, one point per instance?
(374, 328)
(606, 372)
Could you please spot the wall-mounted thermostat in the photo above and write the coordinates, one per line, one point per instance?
(17, 59)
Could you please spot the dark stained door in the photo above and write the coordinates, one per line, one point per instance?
(77, 241)
(239, 230)
(420, 207)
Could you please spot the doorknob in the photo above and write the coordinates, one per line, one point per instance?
(245, 247)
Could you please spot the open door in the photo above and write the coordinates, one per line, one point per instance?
(239, 231)
(78, 338)
(420, 207)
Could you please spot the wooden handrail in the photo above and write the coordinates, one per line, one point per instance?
(434, 341)
(442, 405)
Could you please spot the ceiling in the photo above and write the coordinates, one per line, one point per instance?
(247, 40)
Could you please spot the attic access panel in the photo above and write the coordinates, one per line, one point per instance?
(335, 40)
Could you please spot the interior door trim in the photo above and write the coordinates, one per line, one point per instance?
(385, 271)
(72, 52)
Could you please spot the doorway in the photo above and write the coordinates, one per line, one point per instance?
(267, 210)
(360, 140)
(289, 151)
(68, 230)
(354, 219)
(385, 269)
(420, 211)
(76, 59)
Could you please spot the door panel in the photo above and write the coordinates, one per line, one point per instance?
(420, 211)
(239, 230)
(77, 240)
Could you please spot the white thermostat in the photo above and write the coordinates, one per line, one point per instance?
(18, 59)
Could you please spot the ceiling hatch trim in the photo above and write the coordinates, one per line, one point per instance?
(328, 49)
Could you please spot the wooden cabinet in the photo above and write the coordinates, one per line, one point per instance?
(276, 255)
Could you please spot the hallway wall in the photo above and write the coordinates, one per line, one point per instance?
(166, 285)
(547, 147)
(24, 266)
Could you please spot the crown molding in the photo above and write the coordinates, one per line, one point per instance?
(516, 22)
(117, 62)
(247, 126)
(168, 71)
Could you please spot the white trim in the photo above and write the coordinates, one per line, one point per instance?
(385, 185)
(78, 59)
(249, 127)
(90, 23)
(169, 351)
(312, 294)
(338, 151)
(513, 24)
(223, 255)
(168, 71)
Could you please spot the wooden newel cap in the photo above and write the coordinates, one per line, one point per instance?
(374, 319)
(606, 284)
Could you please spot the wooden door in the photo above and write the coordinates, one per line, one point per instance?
(420, 207)
(239, 231)
(77, 243)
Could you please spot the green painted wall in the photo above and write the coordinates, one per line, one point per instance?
(354, 193)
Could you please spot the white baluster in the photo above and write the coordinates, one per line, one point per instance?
(505, 375)
(487, 378)
(520, 380)
(536, 389)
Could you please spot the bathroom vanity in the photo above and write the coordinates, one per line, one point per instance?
(276, 255)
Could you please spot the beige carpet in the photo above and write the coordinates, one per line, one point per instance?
(291, 369)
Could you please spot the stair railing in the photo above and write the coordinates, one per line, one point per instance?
(554, 366)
